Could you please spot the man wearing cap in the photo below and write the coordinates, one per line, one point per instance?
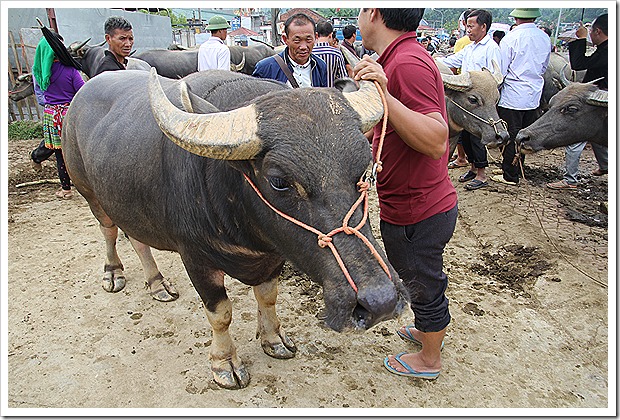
(525, 55)
(213, 53)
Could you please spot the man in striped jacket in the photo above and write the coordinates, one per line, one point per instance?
(332, 56)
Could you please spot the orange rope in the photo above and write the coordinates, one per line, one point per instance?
(363, 187)
(378, 161)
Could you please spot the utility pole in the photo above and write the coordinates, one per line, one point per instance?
(557, 28)
(275, 13)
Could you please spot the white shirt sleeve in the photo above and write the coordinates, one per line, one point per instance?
(454, 60)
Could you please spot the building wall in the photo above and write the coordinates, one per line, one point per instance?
(78, 24)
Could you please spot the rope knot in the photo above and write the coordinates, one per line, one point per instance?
(363, 186)
(379, 166)
(349, 230)
(324, 240)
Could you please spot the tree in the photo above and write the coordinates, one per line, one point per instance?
(175, 20)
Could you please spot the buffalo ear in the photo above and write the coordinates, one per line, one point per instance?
(194, 103)
(345, 84)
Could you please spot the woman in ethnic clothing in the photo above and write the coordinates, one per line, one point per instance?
(59, 84)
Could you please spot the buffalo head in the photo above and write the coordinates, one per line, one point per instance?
(471, 100)
(576, 113)
(22, 88)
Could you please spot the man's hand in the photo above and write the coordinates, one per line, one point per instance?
(582, 31)
(369, 69)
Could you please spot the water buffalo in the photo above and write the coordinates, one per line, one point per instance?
(87, 55)
(90, 56)
(179, 63)
(170, 63)
(244, 59)
(301, 150)
(557, 77)
(22, 88)
(576, 113)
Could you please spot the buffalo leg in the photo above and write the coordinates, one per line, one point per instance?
(228, 370)
(113, 277)
(453, 142)
(274, 341)
(159, 288)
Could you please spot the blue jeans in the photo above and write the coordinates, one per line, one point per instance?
(416, 252)
(573, 153)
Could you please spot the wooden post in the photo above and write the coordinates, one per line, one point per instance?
(51, 16)
(15, 55)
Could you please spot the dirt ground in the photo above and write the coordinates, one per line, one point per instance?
(528, 271)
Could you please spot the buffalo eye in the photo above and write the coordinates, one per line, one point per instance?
(473, 100)
(569, 109)
(278, 184)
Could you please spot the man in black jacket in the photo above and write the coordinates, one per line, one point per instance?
(119, 36)
(596, 66)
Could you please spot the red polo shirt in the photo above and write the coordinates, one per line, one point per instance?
(412, 186)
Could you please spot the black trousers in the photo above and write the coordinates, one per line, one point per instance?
(41, 153)
(416, 252)
(63, 175)
(516, 120)
(475, 151)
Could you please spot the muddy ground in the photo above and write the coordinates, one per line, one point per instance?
(528, 272)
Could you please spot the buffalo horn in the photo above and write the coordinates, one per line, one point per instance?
(185, 99)
(459, 82)
(101, 44)
(591, 82)
(228, 135)
(563, 79)
(350, 58)
(239, 67)
(497, 73)
(598, 98)
(367, 103)
(76, 48)
(24, 77)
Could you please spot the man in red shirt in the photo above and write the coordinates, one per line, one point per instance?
(418, 203)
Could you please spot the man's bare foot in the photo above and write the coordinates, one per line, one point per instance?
(415, 361)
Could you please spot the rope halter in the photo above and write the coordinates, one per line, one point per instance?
(490, 121)
(363, 186)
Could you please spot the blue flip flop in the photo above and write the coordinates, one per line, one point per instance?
(409, 337)
(410, 371)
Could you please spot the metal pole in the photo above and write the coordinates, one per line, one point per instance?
(557, 28)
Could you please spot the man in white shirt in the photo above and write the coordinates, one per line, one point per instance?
(214, 53)
(475, 56)
(525, 55)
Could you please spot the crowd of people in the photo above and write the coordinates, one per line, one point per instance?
(418, 202)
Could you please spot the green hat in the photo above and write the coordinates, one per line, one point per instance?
(217, 22)
(525, 13)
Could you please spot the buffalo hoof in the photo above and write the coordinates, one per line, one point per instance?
(113, 280)
(161, 289)
(235, 378)
(282, 350)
